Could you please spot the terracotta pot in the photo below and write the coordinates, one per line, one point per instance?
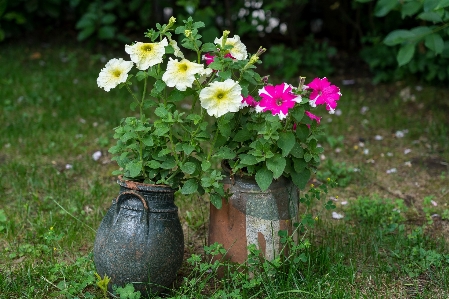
(252, 216)
(140, 240)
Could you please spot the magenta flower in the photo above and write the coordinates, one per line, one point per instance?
(324, 93)
(209, 58)
(313, 117)
(277, 99)
(249, 102)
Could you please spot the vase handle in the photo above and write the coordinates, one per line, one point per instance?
(122, 195)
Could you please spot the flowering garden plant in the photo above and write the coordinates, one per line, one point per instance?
(258, 128)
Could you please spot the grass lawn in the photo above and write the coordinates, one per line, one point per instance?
(388, 149)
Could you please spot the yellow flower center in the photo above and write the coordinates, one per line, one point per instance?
(146, 48)
(182, 67)
(116, 73)
(220, 95)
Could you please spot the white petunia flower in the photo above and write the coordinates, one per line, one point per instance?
(178, 52)
(221, 97)
(181, 74)
(238, 50)
(145, 55)
(114, 73)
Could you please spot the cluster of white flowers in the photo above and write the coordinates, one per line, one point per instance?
(217, 98)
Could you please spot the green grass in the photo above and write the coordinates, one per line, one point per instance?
(53, 195)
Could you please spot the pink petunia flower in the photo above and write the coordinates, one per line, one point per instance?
(277, 99)
(249, 102)
(313, 117)
(324, 94)
(209, 58)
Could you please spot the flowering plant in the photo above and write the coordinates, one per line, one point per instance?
(274, 134)
(258, 128)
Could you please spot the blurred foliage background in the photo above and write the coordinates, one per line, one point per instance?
(302, 36)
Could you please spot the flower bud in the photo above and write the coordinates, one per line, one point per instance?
(188, 33)
(171, 21)
(225, 37)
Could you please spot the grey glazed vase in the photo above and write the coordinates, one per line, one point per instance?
(140, 239)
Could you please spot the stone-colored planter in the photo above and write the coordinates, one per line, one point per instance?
(252, 216)
(140, 240)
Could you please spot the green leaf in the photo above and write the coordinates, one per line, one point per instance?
(297, 151)
(430, 5)
(176, 95)
(134, 168)
(216, 200)
(154, 164)
(264, 177)
(208, 47)
(299, 165)
(225, 74)
(141, 75)
(383, 7)
(298, 113)
(300, 179)
(410, 8)
(158, 86)
(161, 111)
(108, 19)
(225, 153)
(190, 187)
(247, 159)
(148, 140)
(286, 142)
(169, 163)
(302, 132)
(188, 167)
(277, 165)
(431, 16)
(435, 43)
(106, 32)
(205, 165)
(405, 54)
(85, 33)
(421, 31)
(242, 136)
(397, 37)
(442, 4)
(187, 148)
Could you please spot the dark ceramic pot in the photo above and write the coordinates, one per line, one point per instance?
(253, 216)
(140, 240)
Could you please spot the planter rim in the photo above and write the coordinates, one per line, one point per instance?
(133, 185)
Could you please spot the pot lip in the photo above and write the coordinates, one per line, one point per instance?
(143, 186)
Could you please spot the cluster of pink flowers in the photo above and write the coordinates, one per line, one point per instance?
(280, 99)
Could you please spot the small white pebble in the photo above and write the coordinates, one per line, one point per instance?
(396, 210)
(344, 203)
(364, 110)
(434, 203)
(336, 215)
(390, 154)
(435, 216)
(323, 157)
(408, 163)
(356, 170)
(338, 150)
(96, 156)
(77, 136)
(68, 166)
(392, 170)
(338, 112)
(366, 151)
(82, 120)
(333, 198)
(95, 124)
(371, 161)
(399, 134)
(407, 151)
(361, 144)
(378, 137)
(8, 145)
(75, 81)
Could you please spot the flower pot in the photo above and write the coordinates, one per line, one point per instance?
(252, 216)
(140, 240)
